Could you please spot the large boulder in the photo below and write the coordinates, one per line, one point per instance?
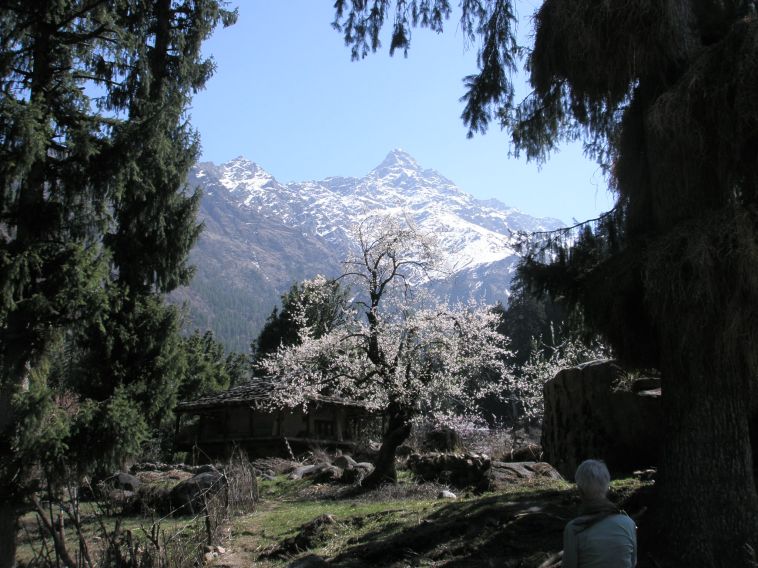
(123, 481)
(503, 474)
(189, 496)
(590, 413)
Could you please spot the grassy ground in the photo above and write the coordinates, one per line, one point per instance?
(402, 525)
(408, 526)
(97, 525)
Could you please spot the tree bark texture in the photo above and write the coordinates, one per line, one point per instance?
(8, 528)
(709, 507)
(398, 430)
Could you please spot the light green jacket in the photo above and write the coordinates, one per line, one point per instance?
(608, 543)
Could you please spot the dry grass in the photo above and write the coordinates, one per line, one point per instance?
(94, 535)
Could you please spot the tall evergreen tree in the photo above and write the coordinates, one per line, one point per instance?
(662, 92)
(319, 303)
(209, 369)
(94, 222)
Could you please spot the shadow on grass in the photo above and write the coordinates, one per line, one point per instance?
(501, 530)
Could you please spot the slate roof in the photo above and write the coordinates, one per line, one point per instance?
(250, 393)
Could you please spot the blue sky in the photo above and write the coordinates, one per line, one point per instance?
(287, 96)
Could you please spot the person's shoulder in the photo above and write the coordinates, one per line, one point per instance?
(624, 520)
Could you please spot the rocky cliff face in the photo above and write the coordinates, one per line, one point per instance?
(261, 236)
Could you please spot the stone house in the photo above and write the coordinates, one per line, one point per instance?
(242, 417)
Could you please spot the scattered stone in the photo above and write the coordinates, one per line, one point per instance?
(477, 471)
(445, 494)
(220, 550)
(503, 474)
(304, 471)
(458, 470)
(544, 469)
(365, 466)
(327, 474)
(155, 497)
(120, 496)
(275, 465)
(344, 462)
(177, 474)
(353, 476)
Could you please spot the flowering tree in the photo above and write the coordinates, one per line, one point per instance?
(400, 351)
(544, 362)
(318, 303)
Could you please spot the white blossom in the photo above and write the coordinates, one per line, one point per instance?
(397, 346)
(546, 361)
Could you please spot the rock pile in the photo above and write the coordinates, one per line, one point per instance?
(476, 471)
(343, 469)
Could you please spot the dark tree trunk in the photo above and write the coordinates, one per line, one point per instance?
(8, 527)
(23, 330)
(709, 506)
(398, 430)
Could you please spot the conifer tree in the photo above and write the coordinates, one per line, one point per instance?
(663, 94)
(94, 221)
(209, 369)
(323, 304)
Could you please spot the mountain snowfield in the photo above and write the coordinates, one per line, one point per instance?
(261, 236)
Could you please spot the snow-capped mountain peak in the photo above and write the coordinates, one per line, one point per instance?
(261, 236)
(398, 159)
(244, 176)
(479, 232)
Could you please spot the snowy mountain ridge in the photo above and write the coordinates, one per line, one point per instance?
(261, 236)
(477, 232)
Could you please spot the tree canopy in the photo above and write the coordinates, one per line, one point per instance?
(662, 93)
(397, 350)
(95, 224)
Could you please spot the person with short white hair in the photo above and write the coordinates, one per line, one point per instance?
(603, 536)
